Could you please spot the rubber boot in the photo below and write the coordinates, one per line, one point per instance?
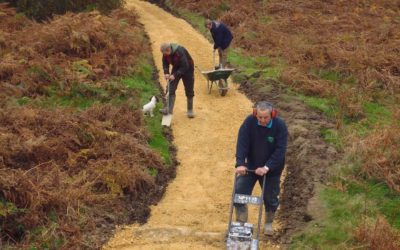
(190, 113)
(269, 218)
(241, 213)
(171, 101)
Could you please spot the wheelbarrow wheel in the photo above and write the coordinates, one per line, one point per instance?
(223, 87)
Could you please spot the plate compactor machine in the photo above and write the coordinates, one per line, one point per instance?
(241, 235)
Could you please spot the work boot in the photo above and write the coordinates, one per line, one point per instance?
(241, 213)
(171, 101)
(190, 113)
(269, 218)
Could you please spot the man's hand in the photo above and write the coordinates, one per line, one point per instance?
(169, 77)
(241, 170)
(261, 171)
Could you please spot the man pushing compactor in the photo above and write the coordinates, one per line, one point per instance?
(260, 151)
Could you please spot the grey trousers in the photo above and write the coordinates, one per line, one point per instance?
(223, 56)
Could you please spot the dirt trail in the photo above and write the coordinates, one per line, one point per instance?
(194, 211)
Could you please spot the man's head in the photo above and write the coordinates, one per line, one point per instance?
(208, 24)
(264, 112)
(166, 49)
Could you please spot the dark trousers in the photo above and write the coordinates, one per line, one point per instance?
(245, 185)
(188, 83)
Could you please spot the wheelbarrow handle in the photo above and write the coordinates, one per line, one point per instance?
(250, 170)
(197, 67)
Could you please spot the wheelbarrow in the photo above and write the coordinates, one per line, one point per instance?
(219, 77)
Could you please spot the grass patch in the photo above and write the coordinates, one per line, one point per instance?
(272, 72)
(23, 101)
(158, 140)
(248, 66)
(347, 204)
(153, 172)
(379, 196)
(327, 106)
(334, 76)
(328, 75)
(237, 58)
(265, 19)
(353, 199)
(142, 81)
(375, 115)
(333, 231)
(81, 96)
(9, 208)
(332, 136)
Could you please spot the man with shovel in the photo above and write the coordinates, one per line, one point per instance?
(261, 147)
(222, 37)
(182, 68)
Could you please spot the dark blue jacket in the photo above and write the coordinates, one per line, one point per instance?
(222, 36)
(259, 146)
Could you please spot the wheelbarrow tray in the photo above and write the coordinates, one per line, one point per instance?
(218, 74)
(218, 77)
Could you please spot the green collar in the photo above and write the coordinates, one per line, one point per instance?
(174, 47)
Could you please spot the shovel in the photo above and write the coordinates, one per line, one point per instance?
(167, 119)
